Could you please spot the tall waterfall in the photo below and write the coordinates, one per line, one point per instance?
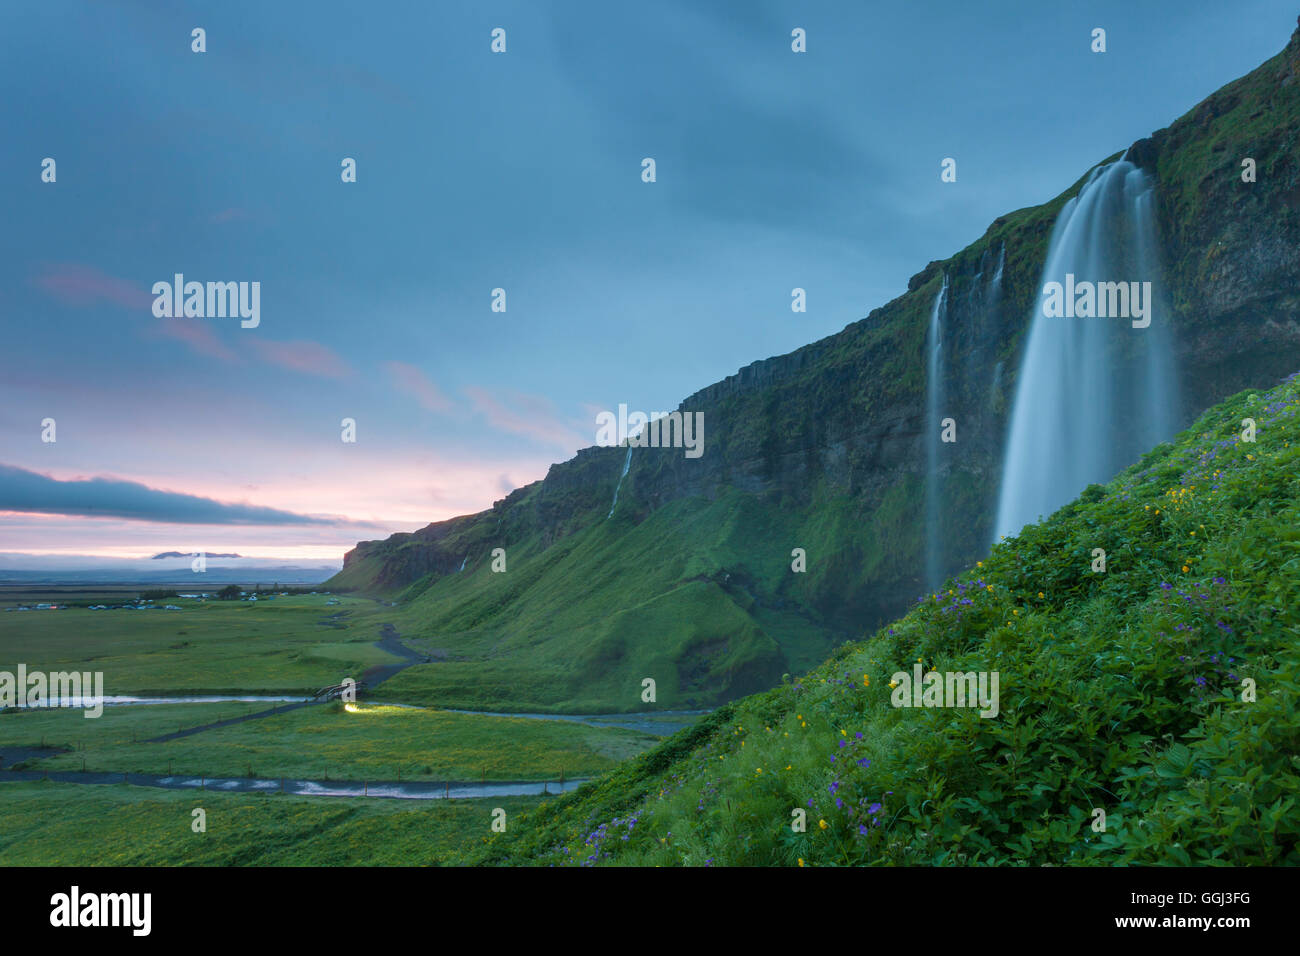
(626, 462)
(933, 412)
(1093, 393)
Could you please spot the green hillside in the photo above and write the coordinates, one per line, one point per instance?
(690, 581)
(683, 597)
(1121, 691)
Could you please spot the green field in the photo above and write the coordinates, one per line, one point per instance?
(71, 729)
(52, 824)
(360, 742)
(290, 645)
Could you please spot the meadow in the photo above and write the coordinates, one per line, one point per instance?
(364, 741)
(292, 645)
(56, 824)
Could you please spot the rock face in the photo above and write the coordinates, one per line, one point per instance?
(839, 423)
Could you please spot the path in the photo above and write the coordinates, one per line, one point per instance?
(389, 641)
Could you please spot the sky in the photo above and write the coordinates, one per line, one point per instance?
(478, 170)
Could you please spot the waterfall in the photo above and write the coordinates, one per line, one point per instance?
(933, 411)
(626, 462)
(462, 564)
(1092, 393)
(995, 285)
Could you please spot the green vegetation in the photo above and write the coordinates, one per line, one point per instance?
(683, 597)
(289, 645)
(52, 824)
(361, 742)
(1125, 691)
(70, 728)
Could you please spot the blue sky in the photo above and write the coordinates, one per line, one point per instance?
(476, 171)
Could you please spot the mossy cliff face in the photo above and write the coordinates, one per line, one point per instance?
(833, 434)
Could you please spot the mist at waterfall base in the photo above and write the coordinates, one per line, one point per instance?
(1093, 394)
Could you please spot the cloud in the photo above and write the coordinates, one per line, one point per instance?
(534, 418)
(81, 285)
(302, 355)
(28, 491)
(409, 379)
(197, 336)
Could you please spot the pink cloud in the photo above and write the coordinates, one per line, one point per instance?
(198, 337)
(80, 285)
(531, 416)
(409, 379)
(301, 355)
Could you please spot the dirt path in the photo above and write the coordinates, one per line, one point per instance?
(389, 641)
(282, 709)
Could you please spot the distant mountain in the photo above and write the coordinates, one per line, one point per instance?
(183, 554)
(180, 577)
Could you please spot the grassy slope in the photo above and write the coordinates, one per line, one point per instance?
(1120, 691)
(565, 627)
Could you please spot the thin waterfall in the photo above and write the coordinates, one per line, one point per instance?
(626, 462)
(1094, 391)
(933, 412)
(995, 284)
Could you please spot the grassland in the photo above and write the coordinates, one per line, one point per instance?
(289, 645)
(52, 824)
(366, 742)
(71, 729)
